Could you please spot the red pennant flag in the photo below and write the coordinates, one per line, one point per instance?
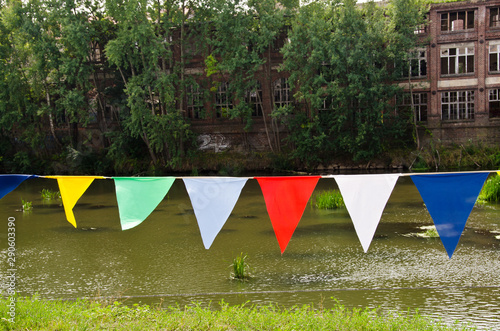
(286, 199)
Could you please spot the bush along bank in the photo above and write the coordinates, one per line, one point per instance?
(39, 314)
(235, 163)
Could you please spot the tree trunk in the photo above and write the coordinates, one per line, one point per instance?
(51, 120)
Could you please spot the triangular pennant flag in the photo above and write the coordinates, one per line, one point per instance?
(72, 188)
(137, 197)
(8, 183)
(213, 200)
(286, 199)
(449, 198)
(365, 197)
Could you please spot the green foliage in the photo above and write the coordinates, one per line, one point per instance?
(330, 200)
(491, 190)
(48, 194)
(338, 58)
(240, 267)
(40, 314)
(27, 206)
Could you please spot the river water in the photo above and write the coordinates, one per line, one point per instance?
(163, 259)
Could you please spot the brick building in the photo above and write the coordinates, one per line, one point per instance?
(455, 83)
(456, 77)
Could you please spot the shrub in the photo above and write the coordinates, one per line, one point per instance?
(491, 190)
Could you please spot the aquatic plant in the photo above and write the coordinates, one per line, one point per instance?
(491, 190)
(27, 206)
(50, 195)
(240, 267)
(330, 200)
(430, 231)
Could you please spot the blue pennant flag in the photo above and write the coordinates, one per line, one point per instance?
(8, 183)
(449, 198)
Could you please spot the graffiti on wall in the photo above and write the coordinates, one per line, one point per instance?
(215, 141)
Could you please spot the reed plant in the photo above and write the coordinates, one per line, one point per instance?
(39, 314)
(240, 267)
(491, 190)
(50, 195)
(331, 199)
(27, 206)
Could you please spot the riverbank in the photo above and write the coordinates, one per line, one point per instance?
(432, 157)
(39, 314)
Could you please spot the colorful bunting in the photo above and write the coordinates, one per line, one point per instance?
(213, 200)
(72, 188)
(449, 199)
(365, 197)
(286, 199)
(8, 183)
(137, 197)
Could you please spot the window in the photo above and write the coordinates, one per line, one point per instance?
(456, 21)
(494, 56)
(494, 17)
(281, 91)
(494, 103)
(96, 55)
(254, 100)
(457, 60)
(419, 104)
(420, 29)
(194, 101)
(457, 105)
(223, 100)
(417, 64)
(326, 104)
(280, 40)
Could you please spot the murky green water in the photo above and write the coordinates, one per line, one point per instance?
(163, 259)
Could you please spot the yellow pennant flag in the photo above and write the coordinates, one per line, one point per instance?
(72, 188)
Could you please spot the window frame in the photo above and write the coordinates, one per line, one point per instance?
(459, 105)
(417, 56)
(281, 93)
(195, 101)
(494, 23)
(495, 54)
(255, 102)
(420, 104)
(496, 99)
(447, 19)
(454, 58)
(223, 100)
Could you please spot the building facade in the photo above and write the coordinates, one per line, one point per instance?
(455, 78)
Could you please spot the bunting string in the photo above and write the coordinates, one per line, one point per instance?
(448, 196)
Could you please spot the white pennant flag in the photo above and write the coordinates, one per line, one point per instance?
(213, 200)
(365, 197)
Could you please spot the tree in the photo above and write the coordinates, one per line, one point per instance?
(339, 63)
(244, 33)
(140, 51)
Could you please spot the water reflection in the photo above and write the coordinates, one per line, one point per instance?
(164, 258)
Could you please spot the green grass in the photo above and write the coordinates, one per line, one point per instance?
(50, 195)
(491, 190)
(240, 267)
(37, 314)
(330, 200)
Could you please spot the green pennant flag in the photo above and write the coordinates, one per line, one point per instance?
(137, 197)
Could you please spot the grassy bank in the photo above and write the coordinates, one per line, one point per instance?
(35, 314)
